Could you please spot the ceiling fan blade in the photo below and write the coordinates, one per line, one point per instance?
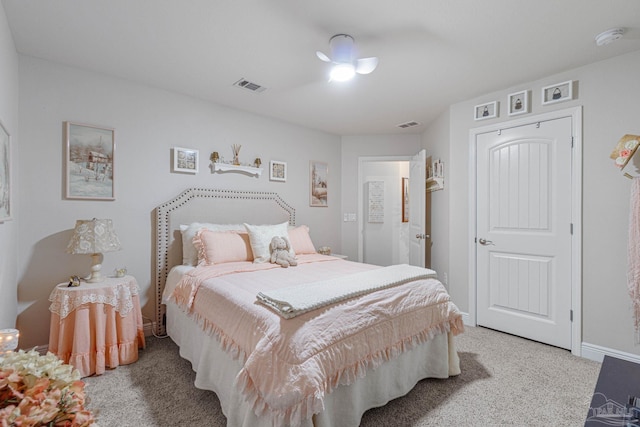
(366, 65)
(322, 56)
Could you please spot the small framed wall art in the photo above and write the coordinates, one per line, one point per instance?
(486, 111)
(185, 160)
(5, 175)
(405, 199)
(277, 171)
(90, 154)
(518, 103)
(318, 180)
(558, 92)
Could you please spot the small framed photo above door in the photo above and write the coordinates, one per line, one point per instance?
(486, 111)
(518, 103)
(277, 171)
(558, 92)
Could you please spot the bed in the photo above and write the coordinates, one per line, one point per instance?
(321, 364)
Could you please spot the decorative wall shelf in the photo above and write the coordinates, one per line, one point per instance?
(435, 183)
(225, 167)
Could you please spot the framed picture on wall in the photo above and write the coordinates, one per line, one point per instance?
(518, 103)
(277, 171)
(185, 160)
(485, 111)
(558, 92)
(90, 152)
(5, 175)
(405, 199)
(318, 180)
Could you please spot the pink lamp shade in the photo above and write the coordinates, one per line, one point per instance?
(8, 340)
(93, 237)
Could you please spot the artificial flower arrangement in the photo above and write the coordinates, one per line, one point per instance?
(38, 390)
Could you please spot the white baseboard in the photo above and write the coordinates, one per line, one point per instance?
(467, 320)
(149, 328)
(588, 351)
(597, 353)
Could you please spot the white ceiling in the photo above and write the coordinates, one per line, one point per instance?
(432, 53)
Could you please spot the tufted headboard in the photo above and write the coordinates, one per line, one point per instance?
(212, 206)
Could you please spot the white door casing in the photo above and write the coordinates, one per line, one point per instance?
(363, 165)
(417, 207)
(523, 242)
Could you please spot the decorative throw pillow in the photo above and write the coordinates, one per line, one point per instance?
(189, 251)
(301, 241)
(260, 237)
(218, 247)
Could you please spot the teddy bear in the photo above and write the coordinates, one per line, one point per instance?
(279, 248)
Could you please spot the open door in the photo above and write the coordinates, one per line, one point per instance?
(418, 238)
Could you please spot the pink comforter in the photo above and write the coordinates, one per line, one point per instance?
(289, 365)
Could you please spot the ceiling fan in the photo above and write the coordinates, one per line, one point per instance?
(343, 57)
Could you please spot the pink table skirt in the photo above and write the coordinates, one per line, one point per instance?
(95, 336)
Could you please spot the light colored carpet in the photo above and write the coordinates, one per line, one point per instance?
(505, 381)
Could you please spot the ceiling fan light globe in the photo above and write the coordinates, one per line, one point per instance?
(342, 72)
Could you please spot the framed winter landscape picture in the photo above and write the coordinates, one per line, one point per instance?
(5, 175)
(89, 158)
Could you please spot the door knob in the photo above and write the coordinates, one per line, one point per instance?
(485, 242)
(422, 236)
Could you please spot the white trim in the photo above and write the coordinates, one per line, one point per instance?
(148, 328)
(360, 222)
(467, 320)
(597, 353)
(576, 213)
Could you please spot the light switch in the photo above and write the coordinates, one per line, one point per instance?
(349, 217)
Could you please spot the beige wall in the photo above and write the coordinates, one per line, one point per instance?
(9, 229)
(436, 143)
(147, 123)
(608, 91)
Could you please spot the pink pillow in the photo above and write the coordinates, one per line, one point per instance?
(301, 241)
(218, 247)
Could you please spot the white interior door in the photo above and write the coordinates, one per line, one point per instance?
(524, 231)
(417, 208)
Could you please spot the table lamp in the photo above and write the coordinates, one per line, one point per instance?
(8, 340)
(93, 237)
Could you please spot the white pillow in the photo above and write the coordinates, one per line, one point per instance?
(189, 251)
(260, 237)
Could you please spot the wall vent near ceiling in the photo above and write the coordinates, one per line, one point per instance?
(246, 84)
(408, 124)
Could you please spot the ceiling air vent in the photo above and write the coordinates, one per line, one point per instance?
(246, 84)
(408, 125)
